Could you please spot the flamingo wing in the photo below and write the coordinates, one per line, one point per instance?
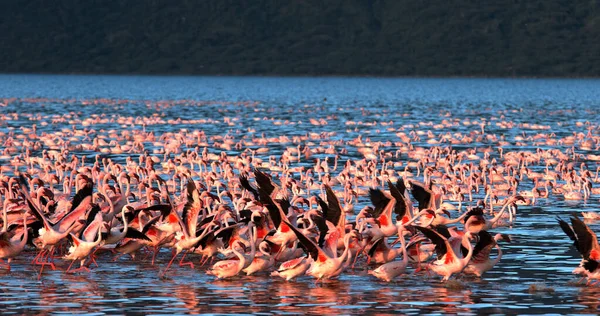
(264, 183)
(81, 195)
(191, 209)
(400, 186)
(401, 207)
(210, 236)
(422, 194)
(290, 264)
(80, 205)
(309, 246)
(379, 200)
(569, 232)
(591, 265)
(587, 240)
(34, 209)
(476, 211)
(136, 234)
(150, 224)
(442, 247)
(89, 221)
(91, 229)
(335, 210)
(246, 185)
(323, 228)
(377, 244)
(484, 246)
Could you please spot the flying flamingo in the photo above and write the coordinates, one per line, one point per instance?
(51, 234)
(449, 257)
(323, 266)
(82, 248)
(481, 261)
(586, 243)
(390, 270)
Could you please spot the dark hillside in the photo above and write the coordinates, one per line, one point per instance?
(302, 37)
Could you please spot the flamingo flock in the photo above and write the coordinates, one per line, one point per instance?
(309, 211)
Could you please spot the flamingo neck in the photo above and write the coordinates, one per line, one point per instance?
(4, 218)
(403, 245)
(466, 259)
(458, 219)
(125, 223)
(346, 248)
(240, 256)
(499, 215)
(499, 255)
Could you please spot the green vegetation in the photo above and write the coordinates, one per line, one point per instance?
(302, 37)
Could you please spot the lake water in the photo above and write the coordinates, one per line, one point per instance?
(374, 109)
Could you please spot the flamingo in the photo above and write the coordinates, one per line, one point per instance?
(187, 237)
(116, 234)
(449, 257)
(381, 253)
(323, 266)
(390, 270)
(481, 261)
(262, 262)
(12, 247)
(52, 234)
(293, 268)
(82, 248)
(586, 243)
(230, 268)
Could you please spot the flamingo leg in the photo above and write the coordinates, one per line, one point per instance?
(358, 253)
(93, 260)
(154, 253)
(117, 257)
(169, 265)
(45, 258)
(181, 263)
(69, 268)
(38, 256)
(5, 265)
(50, 258)
(93, 256)
(82, 267)
(147, 254)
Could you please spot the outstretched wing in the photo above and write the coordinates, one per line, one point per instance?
(264, 182)
(421, 194)
(191, 209)
(310, 247)
(379, 200)
(136, 234)
(402, 207)
(484, 246)
(569, 232)
(246, 185)
(335, 210)
(81, 195)
(441, 243)
(587, 240)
